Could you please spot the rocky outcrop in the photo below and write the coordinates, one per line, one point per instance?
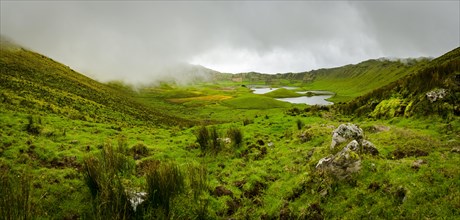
(347, 160)
(354, 136)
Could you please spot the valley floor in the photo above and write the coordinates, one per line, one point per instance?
(45, 161)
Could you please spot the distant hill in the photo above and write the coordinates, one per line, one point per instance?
(348, 82)
(351, 81)
(434, 88)
(33, 83)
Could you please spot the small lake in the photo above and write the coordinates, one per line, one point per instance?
(312, 100)
(319, 99)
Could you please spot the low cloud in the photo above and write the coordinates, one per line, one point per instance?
(145, 41)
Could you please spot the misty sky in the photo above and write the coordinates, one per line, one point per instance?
(139, 41)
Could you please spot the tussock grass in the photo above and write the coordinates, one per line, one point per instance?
(15, 195)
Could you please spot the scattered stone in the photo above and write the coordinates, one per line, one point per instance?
(305, 136)
(323, 193)
(225, 140)
(270, 144)
(373, 167)
(417, 164)
(436, 94)
(136, 198)
(369, 148)
(455, 150)
(346, 132)
(377, 128)
(222, 191)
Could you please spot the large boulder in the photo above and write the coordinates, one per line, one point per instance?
(346, 133)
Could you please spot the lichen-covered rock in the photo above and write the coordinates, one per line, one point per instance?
(342, 164)
(344, 133)
(353, 145)
(346, 161)
(436, 94)
(369, 148)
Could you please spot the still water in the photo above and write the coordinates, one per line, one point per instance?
(309, 100)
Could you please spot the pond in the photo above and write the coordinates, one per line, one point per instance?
(318, 99)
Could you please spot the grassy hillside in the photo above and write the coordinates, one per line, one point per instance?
(73, 148)
(352, 81)
(348, 82)
(33, 83)
(408, 96)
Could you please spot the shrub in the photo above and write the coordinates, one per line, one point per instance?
(209, 140)
(215, 142)
(164, 182)
(103, 177)
(202, 137)
(299, 124)
(198, 181)
(236, 135)
(34, 125)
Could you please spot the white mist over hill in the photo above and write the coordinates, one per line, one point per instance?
(144, 41)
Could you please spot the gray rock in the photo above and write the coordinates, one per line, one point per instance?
(353, 145)
(346, 132)
(436, 94)
(136, 198)
(417, 164)
(369, 148)
(342, 164)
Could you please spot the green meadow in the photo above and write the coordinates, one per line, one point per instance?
(74, 148)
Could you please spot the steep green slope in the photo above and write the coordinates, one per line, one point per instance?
(33, 83)
(433, 89)
(352, 81)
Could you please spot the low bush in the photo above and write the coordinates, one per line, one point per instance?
(103, 176)
(299, 124)
(165, 181)
(34, 125)
(236, 135)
